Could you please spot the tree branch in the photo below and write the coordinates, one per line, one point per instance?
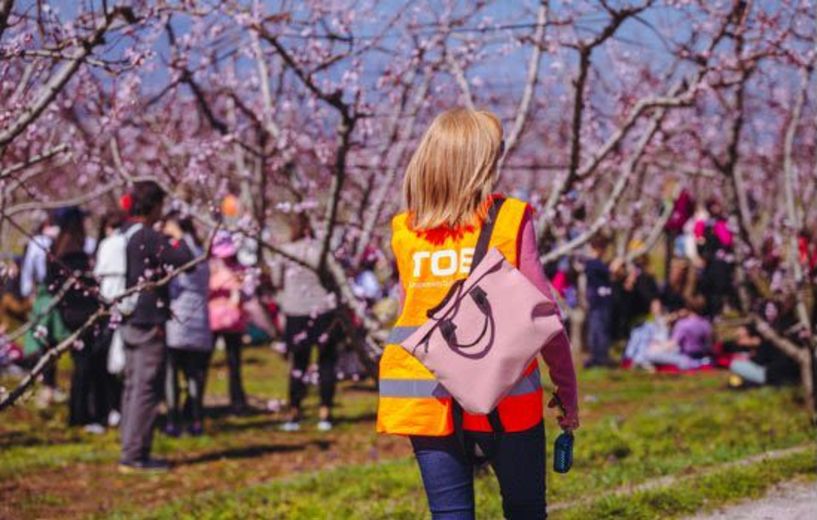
(794, 216)
(57, 82)
(393, 168)
(31, 161)
(459, 77)
(610, 203)
(5, 11)
(585, 54)
(788, 347)
(655, 233)
(105, 309)
(74, 201)
(532, 78)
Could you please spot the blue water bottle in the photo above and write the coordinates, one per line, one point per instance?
(563, 447)
(563, 452)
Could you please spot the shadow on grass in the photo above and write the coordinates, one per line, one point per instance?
(245, 361)
(230, 427)
(366, 417)
(224, 411)
(363, 387)
(27, 439)
(249, 452)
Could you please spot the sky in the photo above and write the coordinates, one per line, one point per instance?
(639, 37)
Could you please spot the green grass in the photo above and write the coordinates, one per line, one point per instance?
(661, 438)
(699, 494)
(390, 491)
(636, 427)
(33, 440)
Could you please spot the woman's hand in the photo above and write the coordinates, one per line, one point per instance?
(569, 419)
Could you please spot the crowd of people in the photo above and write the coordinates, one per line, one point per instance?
(170, 297)
(157, 345)
(670, 326)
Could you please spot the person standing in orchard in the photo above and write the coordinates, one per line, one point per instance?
(69, 259)
(312, 320)
(447, 191)
(189, 338)
(150, 255)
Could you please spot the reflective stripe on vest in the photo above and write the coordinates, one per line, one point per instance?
(431, 388)
(400, 334)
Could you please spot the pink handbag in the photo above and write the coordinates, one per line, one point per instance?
(225, 315)
(480, 339)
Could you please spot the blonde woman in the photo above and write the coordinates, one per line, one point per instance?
(447, 190)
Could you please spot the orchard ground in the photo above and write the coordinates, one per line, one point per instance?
(650, 446)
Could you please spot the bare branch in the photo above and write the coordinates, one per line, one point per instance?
(393, 169)
(344, 138)
(58, 81)
(266, 94)
(610, 203)
(104, 310)
(794, 216)
(674, 98)
(44, 156)
(334, 99)
(56, 55)
(54, 204)
(459, 77)
(523, 111)
(788, 347)
(37, 319)
(655, 233)
(5, 11)
(585, 54)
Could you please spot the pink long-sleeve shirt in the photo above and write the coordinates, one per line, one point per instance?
(556, 354)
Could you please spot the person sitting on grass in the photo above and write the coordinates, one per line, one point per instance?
(691, 343)
(653, 336)
(764, 365)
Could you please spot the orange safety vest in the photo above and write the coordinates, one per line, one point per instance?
(411, 401)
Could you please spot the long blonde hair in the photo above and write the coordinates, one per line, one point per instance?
(452, 172)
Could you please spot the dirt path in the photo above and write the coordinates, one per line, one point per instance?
(789, 501)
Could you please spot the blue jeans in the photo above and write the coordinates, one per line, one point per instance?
(518, 462)
(749, 370)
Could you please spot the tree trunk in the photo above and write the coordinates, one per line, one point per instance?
(808, 385)
(807, 366)
(577, 319)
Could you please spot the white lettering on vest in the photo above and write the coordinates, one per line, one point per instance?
(436, 261)
(443, 263)
(418, 262)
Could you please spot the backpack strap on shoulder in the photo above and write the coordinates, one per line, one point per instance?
(473, 452)
(133, 230)
(486, 232)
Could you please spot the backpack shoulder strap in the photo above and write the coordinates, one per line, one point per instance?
(132, 231)
(487, 230)
(456, 409)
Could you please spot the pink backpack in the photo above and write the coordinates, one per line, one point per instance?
(480, 339)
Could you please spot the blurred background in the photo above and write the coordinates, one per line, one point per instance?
(669, 148)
